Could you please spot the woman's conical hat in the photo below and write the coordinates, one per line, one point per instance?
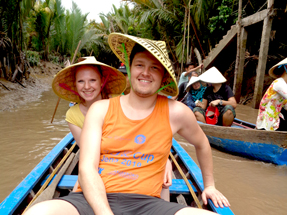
(271, 71)
(64, 82)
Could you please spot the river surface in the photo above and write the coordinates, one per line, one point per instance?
(27, 135)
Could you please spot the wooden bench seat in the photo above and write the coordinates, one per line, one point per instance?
(178, 185)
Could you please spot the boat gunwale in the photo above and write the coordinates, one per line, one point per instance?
(15, 198)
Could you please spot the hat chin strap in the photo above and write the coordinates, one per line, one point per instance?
(170, 84)
(123, 49)
(284, 66)
(104, 83)
(66, 87)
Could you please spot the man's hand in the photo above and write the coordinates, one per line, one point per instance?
(217, 197)
(214, 103)
(167, 181)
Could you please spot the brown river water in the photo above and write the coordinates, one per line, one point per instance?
(26, 136)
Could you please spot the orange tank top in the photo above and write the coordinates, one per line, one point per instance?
(134, 152)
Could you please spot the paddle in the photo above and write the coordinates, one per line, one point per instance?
(243, 126)
(66, 66)
(186, 181)
(49, 192)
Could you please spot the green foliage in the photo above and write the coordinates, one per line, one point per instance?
(55, 59)
(220, 23)
(33, 57)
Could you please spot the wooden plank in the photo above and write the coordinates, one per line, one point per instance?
(74, 163)
(178, 185)
(221, 45)
(278, 138)
(23, 189)
(238, 78)
(255, 18)
(180, 198)
(264, 47)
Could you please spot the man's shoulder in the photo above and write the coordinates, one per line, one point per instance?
(209, 89)
(100, 106)
(182, 74)
(176, 107)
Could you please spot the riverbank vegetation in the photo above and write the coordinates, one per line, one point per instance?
(35, 30)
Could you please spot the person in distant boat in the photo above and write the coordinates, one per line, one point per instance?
(194, 92)
(126, 141)
(182, 86)
(189, 68)
(272, 114)
(217, 95)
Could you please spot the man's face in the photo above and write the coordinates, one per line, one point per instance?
(146, 74)
(190, 67)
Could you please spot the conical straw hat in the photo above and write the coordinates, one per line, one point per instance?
(192, 80)
(156, 48)
(213, 76)
(271, 71)
(64, 82)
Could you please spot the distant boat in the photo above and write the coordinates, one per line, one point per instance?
(244, 140)
(66, 150)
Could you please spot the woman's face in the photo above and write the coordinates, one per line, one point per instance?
(88, 83)
(196, 85)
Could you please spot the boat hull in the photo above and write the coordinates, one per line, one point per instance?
(23, 195)
(267, 146)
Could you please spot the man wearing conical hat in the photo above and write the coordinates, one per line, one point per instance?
(217, 95)
(126, 140)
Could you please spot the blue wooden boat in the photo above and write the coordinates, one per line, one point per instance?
(244, 140)
(66, 149)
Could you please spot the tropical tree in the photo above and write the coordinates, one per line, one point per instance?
(12, 16)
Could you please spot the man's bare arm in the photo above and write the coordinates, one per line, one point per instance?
(194, 69)
(89, 178)
(184, 123)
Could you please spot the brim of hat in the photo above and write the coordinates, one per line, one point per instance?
(271, 71)
(192, 80)
(212, 76)
(156, 48)
(115, 84)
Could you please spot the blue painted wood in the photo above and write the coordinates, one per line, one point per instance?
(9, 205)
(178, 185)
(22, 190)
(259, 151)
(195, 172)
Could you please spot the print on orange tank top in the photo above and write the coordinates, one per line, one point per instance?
(134, 152)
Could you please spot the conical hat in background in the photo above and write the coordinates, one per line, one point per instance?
(192, 80)
(156, 48)
(271, 71)
(115, 84)
(213, 76)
